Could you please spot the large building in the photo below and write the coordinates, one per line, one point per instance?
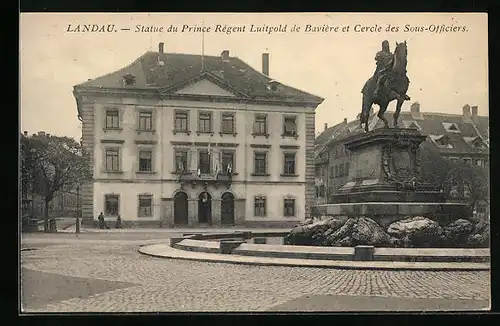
(463, 136)
(181, 139)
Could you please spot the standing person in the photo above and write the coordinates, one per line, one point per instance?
(101, 221)
(118, 224)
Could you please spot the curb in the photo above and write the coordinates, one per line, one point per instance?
(341, 264)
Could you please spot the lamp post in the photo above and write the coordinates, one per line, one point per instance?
(77, 210)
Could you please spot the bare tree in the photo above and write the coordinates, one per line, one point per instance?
(53, 164)
(457, 179)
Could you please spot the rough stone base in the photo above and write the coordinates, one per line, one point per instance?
(386, 213)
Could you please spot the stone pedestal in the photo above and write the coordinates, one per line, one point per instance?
(384, 181)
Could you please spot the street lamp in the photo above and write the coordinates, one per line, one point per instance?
(77, 210)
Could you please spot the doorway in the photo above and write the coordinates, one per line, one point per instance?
(181, 208)
(205, 208)
(227, 209)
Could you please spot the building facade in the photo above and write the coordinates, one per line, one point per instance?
(463, 136)
(180, 139)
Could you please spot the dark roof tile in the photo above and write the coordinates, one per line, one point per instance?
(178, 68)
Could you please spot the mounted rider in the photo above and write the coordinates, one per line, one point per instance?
(385, 60)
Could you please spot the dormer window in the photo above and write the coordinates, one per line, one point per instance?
(475, 142)
(412, 125)
(441, 141)
(273, 85)
(129, 80)
(451, 127)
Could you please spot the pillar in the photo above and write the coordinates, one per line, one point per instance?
(239, 211)
(192, 212)
(216, 210)
(167, 211)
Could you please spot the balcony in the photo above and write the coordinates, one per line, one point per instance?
(205, 180)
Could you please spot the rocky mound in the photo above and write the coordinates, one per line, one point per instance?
(418, 231)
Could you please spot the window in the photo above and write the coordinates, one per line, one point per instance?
(145, 120)
(227, 161)
(290, 207)
(181, 121)
(289, 164)
(129, 80)
(227, 123)
(341, 170)
(204, 162)
(181, 160)
(346, 169)
(337, 171)
(111, 205)
(145, 160)
(451, 127)
(112, 119)
(260, 125)
(478, 162)
(467, 161)
(260, 163)
(260, 206)
(290, 127)
(205, 122)
(145, 205)
(112, 159)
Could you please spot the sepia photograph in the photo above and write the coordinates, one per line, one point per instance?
(240, 162)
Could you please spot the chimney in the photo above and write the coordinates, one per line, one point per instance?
(466, 111)
(345, 120)
(415, 108)
(474, 111)
(41, 133)
(326, 126)
(225, 55)
(25, 133)
(161, 47)
(265, 64)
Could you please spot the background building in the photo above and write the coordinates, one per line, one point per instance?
(182, 139)
(462, 136)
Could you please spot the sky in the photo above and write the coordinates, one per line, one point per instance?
(447, 69)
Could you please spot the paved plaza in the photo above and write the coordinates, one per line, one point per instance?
(103, 272)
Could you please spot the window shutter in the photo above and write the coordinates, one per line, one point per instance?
(222, 168)
(267, 164)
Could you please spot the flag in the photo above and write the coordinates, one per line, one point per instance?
(199, 172)
(229, 169)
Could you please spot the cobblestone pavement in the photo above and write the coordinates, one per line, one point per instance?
(158, 284)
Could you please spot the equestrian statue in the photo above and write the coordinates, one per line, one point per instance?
(388, 83)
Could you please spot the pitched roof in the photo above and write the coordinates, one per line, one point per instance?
(436, 125)
(177, 69)
(330, 133)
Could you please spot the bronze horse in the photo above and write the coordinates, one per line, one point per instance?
(393, 88)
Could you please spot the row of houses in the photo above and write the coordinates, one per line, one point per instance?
(461, 136)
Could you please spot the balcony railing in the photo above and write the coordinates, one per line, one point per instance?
(205, 179)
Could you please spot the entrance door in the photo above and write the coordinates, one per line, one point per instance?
(205, 208)
(180, 209)
(227, 209)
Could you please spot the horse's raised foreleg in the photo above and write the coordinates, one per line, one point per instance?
(381, 112)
